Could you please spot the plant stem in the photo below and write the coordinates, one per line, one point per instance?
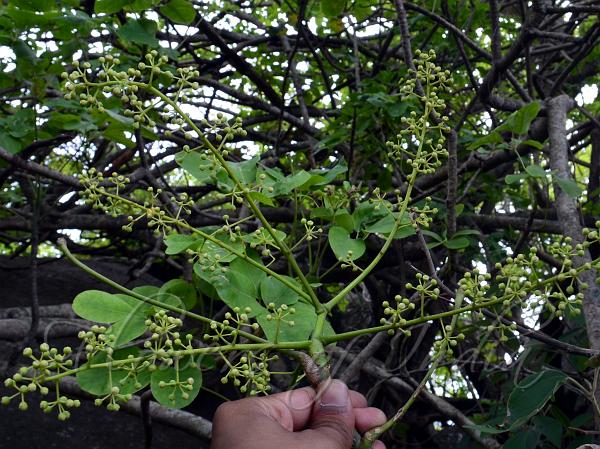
(63, 246)
(411, 182)
(376, 432)
(183, 353)
(246, 194)
(216, 241)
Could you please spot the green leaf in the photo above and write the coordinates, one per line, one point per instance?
(20, 123)
(492, 138)
(550, 428)
(182, 289)
(9, 143)
(303, 319)
(103, 307)
(142, 31)
(118, 118)
(569, 187)
(127, 314)
(238, 287)
(518, 122)
(523, 440)
(179, 11)
(342, 244)
(261, 198)
(433, 235)
(535, 171)
(109, 6)
(464, 232)
(245, 171)
(240, 265)
(172, 395)
(99, 381)
(514, 178)
(344, 219)
(486, 428)
(457, 243)
(129, 328)
(275, 291)
(142, 5)
(366, 213)
(332, 8)
(531, 395)
(289, 183)
(177, 243)
(193, 163)
(386, 224)
(224, 255)
(533, 143)
(383, 226)
(321, 177)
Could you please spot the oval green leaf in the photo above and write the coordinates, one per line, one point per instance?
(172, 395)
(344, 247)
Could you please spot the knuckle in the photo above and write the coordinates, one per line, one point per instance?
(335, 430)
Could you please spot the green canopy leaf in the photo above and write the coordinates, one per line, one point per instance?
(344, 247)
(179, 11)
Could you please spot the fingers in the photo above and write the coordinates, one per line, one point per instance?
(329, 416)
(358, 399)
(332, 422)
(368, 417)
(299, 404)
(378, 445)
(292, 409)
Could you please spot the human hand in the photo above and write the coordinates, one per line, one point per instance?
(297, 419)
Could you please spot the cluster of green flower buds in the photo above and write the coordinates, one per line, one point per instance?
(280, 314)
(251, 373)
(184, 387)
(505, 331)
(422, 216)
(394, 314)
(208, 260)
(112, 399)
(421, 142)
(261, 239)
(229, 329)
(94, 88)
(49, 363)
(96, 340)
(164, 331)
(311, 231)
(447, 342)
(426, 287)
(223, 129)
(475, 285)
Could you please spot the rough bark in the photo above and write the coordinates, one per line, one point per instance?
(188, 422)
(569, 218)
(568, 212)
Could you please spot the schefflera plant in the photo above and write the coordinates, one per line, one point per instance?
(140, 338)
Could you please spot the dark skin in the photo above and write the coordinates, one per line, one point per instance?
(298, 419)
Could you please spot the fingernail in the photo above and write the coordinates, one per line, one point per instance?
(334, 397)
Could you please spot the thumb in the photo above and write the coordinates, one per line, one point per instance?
(333, 416)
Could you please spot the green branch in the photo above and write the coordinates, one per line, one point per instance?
(220, 243)
(245, 193)
(63, 247)
(182, 353)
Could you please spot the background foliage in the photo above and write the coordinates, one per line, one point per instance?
(317, 85)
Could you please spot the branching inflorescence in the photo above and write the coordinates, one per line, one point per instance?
(140, 341)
